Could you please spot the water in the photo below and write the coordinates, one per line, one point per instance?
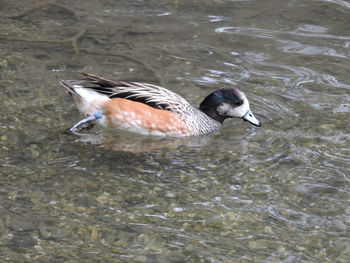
(279, 193)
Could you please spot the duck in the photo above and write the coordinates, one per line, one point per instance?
(153, 110)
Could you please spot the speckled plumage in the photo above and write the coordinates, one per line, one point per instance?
(147, 108)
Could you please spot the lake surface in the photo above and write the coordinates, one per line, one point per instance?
(279, 193)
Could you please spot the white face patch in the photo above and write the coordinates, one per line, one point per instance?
(224, 108)
(228, 110)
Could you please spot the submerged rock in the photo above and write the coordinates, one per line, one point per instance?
(22, 240)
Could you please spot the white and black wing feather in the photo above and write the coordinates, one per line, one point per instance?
(152, 95)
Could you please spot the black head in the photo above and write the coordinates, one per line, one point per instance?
(227, 103)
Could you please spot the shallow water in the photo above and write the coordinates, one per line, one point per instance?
(279, 193)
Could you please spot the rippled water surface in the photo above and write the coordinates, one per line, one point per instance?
(279, 193)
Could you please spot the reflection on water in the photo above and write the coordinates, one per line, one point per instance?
(130, 142)
(279, 193)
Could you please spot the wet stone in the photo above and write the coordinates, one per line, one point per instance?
(174, 257)
(339, 225)
(22, 240)
(141, 259)
(23, 223)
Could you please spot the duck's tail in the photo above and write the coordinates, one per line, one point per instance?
(70, 87)
(87, 100)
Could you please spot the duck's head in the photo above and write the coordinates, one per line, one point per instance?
(228, 103)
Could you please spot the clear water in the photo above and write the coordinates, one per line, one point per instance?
(279, 193)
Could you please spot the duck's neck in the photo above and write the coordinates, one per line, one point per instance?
(199, 122)
(212, 113)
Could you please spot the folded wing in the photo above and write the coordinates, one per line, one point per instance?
(151, 95)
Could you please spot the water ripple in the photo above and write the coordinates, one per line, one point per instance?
(290, 75)
(271, 34)
(323, 191)
(337, 2)
(297, 219)
(292, 46)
